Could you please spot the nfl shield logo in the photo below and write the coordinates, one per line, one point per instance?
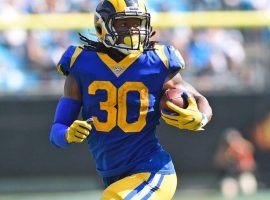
(118, 70)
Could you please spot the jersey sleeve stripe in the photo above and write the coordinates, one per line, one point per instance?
(59, 69)
(162, 55)
(75, 55)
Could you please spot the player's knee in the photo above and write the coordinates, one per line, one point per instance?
(110, 195)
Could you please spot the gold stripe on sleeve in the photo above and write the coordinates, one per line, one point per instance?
(161, 54)
(75, 55)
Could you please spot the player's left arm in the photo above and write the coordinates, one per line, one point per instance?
(196, 115)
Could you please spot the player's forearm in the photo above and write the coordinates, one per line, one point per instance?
(204, 106)
(201, 101)
(58, 135)
(66, 113)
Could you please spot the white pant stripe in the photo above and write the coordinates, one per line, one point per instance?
(147, 188)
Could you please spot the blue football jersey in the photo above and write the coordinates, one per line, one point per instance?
(123, 99)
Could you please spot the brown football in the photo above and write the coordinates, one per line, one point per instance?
(174, 96)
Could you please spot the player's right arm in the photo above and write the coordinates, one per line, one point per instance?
(66, 129)
(198, 113)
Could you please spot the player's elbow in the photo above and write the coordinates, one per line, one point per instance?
(52, 139)
(204, 106)
(209, 113)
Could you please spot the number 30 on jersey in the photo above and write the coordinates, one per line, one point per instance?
(118, 96)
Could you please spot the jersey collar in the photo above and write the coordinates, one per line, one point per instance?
(118, 68)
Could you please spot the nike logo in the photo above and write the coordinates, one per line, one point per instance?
(191, 121)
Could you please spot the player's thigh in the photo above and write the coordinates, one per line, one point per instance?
(166, 189)
(120, 189)
(142, 186)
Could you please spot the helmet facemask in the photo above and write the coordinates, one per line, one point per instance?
(133, 38)
(128, 40)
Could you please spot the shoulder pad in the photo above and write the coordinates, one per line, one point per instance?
(176, 61)
(68, 59)
(159, 49)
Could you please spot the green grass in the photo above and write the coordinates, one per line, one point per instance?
(89, 188)
(95, 195)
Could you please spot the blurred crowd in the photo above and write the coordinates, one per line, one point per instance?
(217, 59)
(236, 163)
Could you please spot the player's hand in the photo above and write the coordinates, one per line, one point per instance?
(190, 118)
(78, 131)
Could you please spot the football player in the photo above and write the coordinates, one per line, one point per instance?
(118, 82)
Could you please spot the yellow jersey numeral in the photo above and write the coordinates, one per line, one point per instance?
(108, 106)
(120, 118)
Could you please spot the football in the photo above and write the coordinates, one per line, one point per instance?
(174, 96)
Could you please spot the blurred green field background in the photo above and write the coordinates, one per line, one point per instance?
(93, 195)
(192, 187)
